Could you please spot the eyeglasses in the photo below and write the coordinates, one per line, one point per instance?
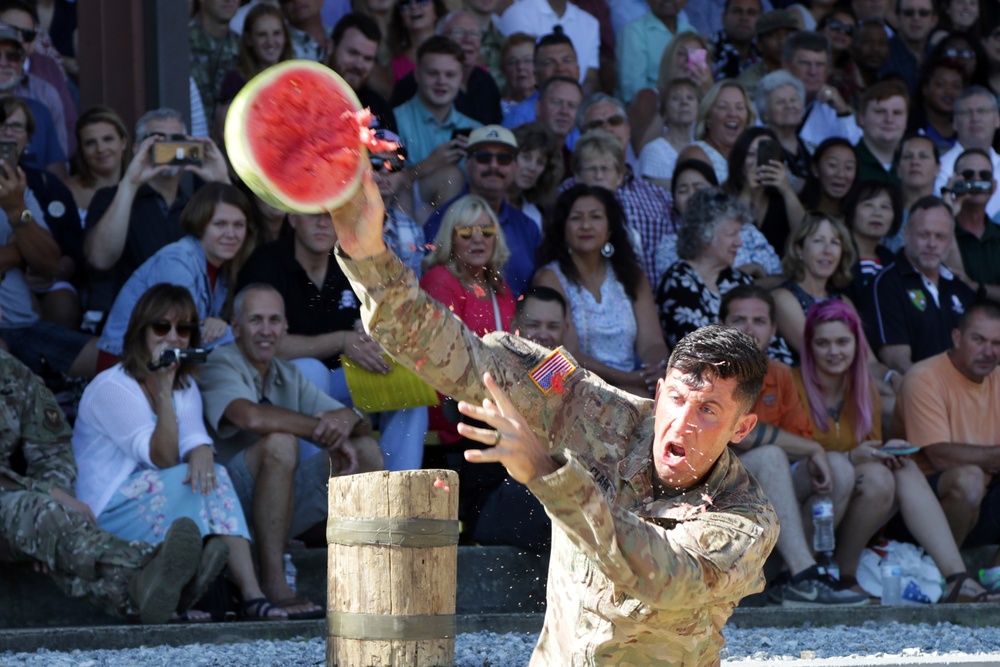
(982, 112)
(406, 4)
(966, 54)
(466, 231)
(840, 26)
(612, 121)
(27, 35)
(392, 164)
(11, 55)
(970, 174)
(183, 329)
(458, 34)
(14, 127)
(922, 13)
(503, 158)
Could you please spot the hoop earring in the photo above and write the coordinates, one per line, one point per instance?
(607, 250)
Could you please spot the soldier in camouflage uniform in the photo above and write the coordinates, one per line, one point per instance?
(42, 523)
(650, 553)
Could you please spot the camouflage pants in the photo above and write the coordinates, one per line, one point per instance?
(83, 560)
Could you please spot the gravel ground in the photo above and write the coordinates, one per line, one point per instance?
(487, 649)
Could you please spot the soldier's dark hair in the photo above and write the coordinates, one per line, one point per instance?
(363, 23)
(751, 291)
(541, 293)
(988, 308)
(156, 303)
(722, 352)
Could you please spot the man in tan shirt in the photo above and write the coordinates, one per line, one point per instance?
(949, 406)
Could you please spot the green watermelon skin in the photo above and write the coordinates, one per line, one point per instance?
(294, 135)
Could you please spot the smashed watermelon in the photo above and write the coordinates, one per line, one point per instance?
(297, 136)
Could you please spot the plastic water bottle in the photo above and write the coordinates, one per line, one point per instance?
(823, 540)
(892, 580)
(290, 572)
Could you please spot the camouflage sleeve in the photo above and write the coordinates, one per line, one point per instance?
(45, 439)
(712, 557)
(422, 335)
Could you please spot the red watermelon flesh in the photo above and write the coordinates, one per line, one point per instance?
(308, 135)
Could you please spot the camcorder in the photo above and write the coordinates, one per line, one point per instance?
(171, 355)
(969, 188)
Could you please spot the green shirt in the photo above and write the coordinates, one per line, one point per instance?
(980, 255)
(871, 169)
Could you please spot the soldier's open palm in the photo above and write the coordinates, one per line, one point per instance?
(513, 442)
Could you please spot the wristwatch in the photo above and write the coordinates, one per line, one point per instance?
(362, 417)
(25, 219)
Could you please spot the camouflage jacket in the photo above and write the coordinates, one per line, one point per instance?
(32, 426)
(639, 574)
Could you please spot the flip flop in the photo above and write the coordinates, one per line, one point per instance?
(288, 603)
(259, 609)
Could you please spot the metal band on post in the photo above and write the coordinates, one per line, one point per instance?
(398, 532)
(381, 627)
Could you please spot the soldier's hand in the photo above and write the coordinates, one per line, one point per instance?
(359, 221)
(73, 503)
(513, 442)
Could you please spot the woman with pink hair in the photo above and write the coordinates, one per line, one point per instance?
(845, 409)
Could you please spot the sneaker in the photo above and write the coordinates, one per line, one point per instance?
(820, 591)
(156, 588)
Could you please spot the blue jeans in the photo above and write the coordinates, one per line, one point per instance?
(402, 431)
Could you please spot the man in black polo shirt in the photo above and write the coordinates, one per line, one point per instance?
(916, 301)
(126, 224)
(324, 322)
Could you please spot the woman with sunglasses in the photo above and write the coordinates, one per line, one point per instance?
(844, 408)
(587, 257)
(221, 233)
(145, 458)
(839, 26)
(464, 272)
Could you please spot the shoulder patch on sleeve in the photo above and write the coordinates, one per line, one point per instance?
(551, 374)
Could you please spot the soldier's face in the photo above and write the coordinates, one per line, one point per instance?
(694, 422)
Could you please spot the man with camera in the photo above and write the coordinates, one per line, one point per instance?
(257, 408)
(978, 238)
(128, 223)
(976, 119)
(916, 301)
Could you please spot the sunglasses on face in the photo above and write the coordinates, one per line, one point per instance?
(466, 231)
(27, 35)
(971, 174)
(613, 121)
(393, 164)
(966, 54)
(484, 157)
(183, 329)
(11, 55)
(837, 24)
(922, 13)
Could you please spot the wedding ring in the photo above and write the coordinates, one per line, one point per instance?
(497, 441)
(210, 475)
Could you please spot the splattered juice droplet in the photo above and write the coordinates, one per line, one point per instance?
(478, 291)
(439, 484)
(557, 383)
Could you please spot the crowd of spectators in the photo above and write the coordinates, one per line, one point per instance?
(607, 176)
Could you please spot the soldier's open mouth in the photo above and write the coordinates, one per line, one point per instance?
(673, 453)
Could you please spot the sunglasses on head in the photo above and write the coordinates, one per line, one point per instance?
(612, 121)
(466, 231)
(393, 164)
(503, 158)
(971, 174)
(837, 24)
(163, 327)
(922, 13)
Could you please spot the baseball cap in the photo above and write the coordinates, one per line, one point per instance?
(776, 19)
(9, 34)
(492, 134)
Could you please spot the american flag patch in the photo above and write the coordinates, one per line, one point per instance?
(555, 365)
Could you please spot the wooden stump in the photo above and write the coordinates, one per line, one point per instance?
(392, 566)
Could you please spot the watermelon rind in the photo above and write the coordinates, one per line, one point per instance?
(238, 137)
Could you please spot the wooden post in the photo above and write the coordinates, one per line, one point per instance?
(392, 567)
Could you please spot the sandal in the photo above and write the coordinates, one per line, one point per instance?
(312, 610)
(260, 609)
(957, 582)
